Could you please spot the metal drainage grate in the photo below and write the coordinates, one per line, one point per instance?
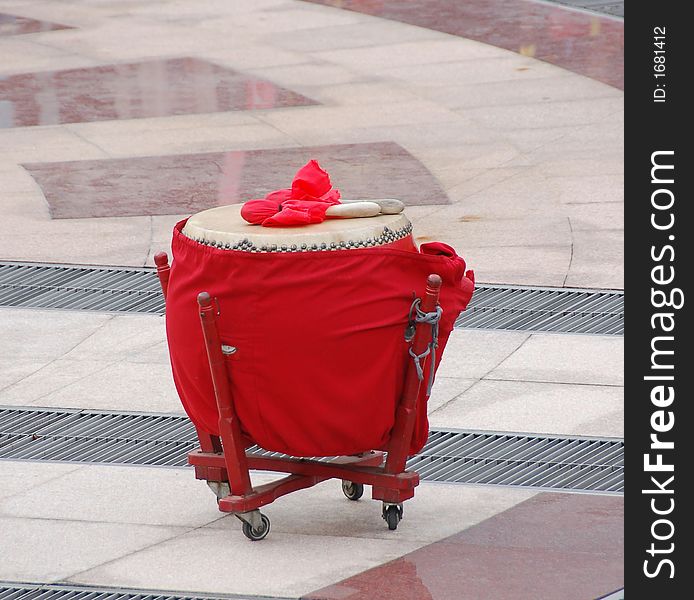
(80, 288)
(137, 290)
(547, 462)
(545, 309)
(16, 591)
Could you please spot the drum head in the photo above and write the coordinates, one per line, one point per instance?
(224, 228)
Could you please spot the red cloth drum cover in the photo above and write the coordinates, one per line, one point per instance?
(321, 354)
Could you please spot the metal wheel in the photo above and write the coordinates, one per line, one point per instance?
(392, 515)
(352, 490)
(257, 533)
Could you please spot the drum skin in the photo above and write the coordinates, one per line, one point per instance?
(321, 354)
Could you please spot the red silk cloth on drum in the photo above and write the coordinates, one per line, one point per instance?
(321, 355)
(304, 203)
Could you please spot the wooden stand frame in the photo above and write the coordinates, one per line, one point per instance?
(224, 463)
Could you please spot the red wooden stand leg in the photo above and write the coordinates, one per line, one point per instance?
(208, 443)
(406, 412)
(163, 271)
(229, 427)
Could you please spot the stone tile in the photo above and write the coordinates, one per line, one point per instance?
(188, 183)
(576, 522)
(566, 358)
(24, 332)
(252, 55)
(19, 477)
(86, 360)
(126, 386)
(542, 92)
(606, 134)
(185, 11)
(584, 161)
(360, 93)
(22, 56)
(596, 216)
(191, 140)
(529, 140)
(505, 194)
(163, 125)
(532, 407)
(112, 494)
(587, 44)
(16, 25)
(323, 511)
(69, 547)
(473, 353)
(300, 563)
(298, 18)
(44, 144)
(152, 88)
(569, 534)
(589, 189)
(155, 354)
(162, 227)
(309, 73)
(414, 213)
(598, 260)
(52, 377)
(13, 370)
(358, 539)
(380, 58)
(452, 132)
(479, 231)
(121, 338)
(108, 41)
(470, 182)
(121, 241)
(22, 207)
(339, 118)
(544, 115)
(466, 157)
(74, 15)
(519, 265)
(445, 390)
(14, 179)
(373, 32)
(509, 68)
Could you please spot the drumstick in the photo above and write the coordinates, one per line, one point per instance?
(353, 210)
(389, 206)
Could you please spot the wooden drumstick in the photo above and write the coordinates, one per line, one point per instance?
(353, 210)
(389, 206)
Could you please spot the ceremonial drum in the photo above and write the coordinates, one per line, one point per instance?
(313, 320)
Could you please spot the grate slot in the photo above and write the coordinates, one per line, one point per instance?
(552, 462)
(19, 591)
(516, 308)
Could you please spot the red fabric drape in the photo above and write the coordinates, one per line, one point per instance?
(321, 355)
(305, 203)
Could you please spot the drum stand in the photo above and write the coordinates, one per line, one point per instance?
(223, 462)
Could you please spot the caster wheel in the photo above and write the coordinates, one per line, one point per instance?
(392, 515)
(352, 490)
(259, 533)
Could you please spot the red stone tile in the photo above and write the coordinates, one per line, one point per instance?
(588, 44)
(563, 546)
(14, 25)
(156, 88)
(188, 183)
(567, 522)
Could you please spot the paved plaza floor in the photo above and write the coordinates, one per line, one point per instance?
(499, 124)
